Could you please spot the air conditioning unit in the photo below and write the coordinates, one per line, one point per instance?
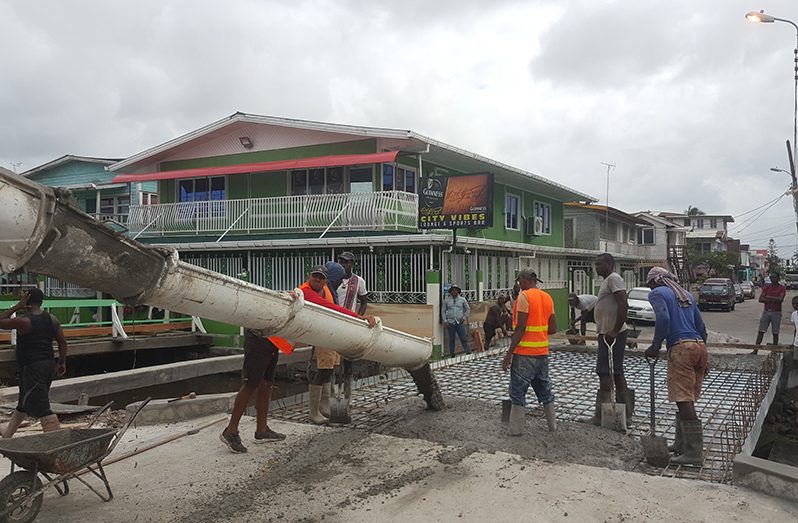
(534, 226)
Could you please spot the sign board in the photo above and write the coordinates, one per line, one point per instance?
(451, 202)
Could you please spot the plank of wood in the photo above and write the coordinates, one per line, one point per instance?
(131, 329)
(631, 341)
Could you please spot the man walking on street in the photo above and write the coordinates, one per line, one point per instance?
(36, 362)
(528, 355)
(680, 326)
(610, 314)
(260, 362)
(455, 313)
(772, 296)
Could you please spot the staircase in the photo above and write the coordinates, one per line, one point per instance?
(680, 263)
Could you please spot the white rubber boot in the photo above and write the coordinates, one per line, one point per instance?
(324, 403)
(13, 424)
(314, 393)
(517, 425)
(548, 409)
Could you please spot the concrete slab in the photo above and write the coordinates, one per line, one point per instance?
(774, 478)
(162, 411)
(340, 474)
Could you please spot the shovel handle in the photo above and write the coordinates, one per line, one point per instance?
(651, 363)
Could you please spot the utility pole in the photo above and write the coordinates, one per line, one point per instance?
(610, 166)
(794, 185)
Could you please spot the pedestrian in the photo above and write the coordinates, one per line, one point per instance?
(772, 296)
(36, 331)
(455, 314)
(794, 318)
(353, 287)
(680, 326)
(528, 355)
(586, 303)
(260, 361)
(610, 315)
(495, 319)
(316, 290)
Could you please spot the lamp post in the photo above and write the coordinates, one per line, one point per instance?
(761, 17)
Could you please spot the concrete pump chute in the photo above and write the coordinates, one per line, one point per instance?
(42, 233)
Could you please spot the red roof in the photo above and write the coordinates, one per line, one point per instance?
(282, 165)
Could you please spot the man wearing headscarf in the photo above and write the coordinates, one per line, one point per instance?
(680, 326)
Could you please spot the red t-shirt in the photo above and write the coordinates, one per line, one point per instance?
(314, 297)
(774, 291)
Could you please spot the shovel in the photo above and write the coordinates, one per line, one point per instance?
(655, 447)
(339, 403)
(613, 414)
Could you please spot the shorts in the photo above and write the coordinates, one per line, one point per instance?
(589, 316)
(772, 318)
(618, 353)
(687, 367)
(260, 360)
(530, 371)
(34, 388)
(326, 358)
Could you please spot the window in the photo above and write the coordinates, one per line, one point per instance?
(149, 198)
(645, 236)
(396, 178)
(511, 205)
(361, 179)
(114, 205)
(201, 189)
(713, 223)
(700, 223)
(330, 180)
(543, 211)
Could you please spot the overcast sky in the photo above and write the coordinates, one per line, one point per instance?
(689, 100)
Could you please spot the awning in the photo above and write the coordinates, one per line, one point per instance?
(282, 165)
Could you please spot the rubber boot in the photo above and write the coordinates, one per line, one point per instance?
(517, 421)
(627, 397)
(602, 396)
(551, 420)
(324, 403)
(13, 424)
(314, 399)
(50, 423)
(678, 441)
(693, 437)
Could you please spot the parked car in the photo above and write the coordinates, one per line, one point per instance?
(640, 308)
(748, 290)
(739, 297)
(717, 293)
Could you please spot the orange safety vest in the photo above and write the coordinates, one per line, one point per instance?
(535, 341)
(282, 344)
(326, 294)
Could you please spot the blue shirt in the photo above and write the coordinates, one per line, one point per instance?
(674, 322)
(455, 309)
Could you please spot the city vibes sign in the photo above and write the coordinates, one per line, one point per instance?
(450, 202)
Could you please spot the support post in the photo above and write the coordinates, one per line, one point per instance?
(434, 299)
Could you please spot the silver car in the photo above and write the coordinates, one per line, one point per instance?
(640, 310)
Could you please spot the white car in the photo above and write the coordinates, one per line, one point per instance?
(640, 310)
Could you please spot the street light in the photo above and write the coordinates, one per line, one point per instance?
(761, 17)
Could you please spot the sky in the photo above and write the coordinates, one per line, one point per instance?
(690, 101)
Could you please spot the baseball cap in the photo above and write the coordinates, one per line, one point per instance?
(319, 269)
(529, 273)
(346, 255)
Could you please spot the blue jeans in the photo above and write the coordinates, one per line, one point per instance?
(460, 330)
(529, 371)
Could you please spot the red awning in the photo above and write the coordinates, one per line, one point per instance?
(283, 165)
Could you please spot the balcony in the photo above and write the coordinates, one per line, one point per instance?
(379, 211)
(621, 248)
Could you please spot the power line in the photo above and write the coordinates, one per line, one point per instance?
(756, 209)
(755, 218)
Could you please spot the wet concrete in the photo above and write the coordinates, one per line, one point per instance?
(476, 425)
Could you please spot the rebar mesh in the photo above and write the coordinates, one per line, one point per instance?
(728, 406)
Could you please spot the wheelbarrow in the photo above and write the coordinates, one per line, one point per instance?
(50, 460)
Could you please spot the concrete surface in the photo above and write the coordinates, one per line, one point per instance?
(162, 411)
(775, 478)
(329, 474)
(102, 384)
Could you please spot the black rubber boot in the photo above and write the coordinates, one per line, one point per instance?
(678, 441)
(602, 396)
(627, 397)
(693, 437)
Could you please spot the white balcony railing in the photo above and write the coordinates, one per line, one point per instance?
(388, 210)
(622, 248)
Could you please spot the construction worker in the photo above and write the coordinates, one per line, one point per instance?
(36, 362)
(260, 362)
(680, 326)
(610, 315)
(316, 290)
(585, 303)
(496, 319)
(528, 355)
(353, 287)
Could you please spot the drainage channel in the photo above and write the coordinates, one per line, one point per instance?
(728, 406)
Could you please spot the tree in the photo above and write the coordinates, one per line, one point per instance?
(694, 211)
(720, 263)
(774, 263)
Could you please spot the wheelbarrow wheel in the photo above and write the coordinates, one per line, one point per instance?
(16, 487)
